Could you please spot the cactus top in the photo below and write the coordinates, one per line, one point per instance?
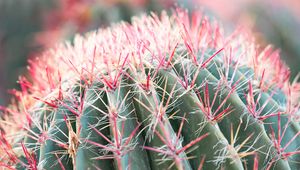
(149, 40)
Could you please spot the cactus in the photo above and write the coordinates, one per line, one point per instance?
(166, 92)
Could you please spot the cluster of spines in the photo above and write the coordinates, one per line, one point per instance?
(170, 73)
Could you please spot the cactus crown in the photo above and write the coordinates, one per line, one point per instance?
(165, 92)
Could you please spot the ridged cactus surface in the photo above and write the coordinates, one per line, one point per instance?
(165, 92)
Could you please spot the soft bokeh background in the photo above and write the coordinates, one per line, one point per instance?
(27, 27)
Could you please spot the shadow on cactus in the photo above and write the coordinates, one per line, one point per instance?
(166, 92)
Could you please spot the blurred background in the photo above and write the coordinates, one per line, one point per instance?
(27, 27)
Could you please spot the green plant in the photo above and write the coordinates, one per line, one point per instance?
(17, 31)
(285, 36)
(162, 93)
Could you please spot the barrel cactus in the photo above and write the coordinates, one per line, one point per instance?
(165, 92)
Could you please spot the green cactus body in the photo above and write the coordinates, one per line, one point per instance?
(162, 93)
